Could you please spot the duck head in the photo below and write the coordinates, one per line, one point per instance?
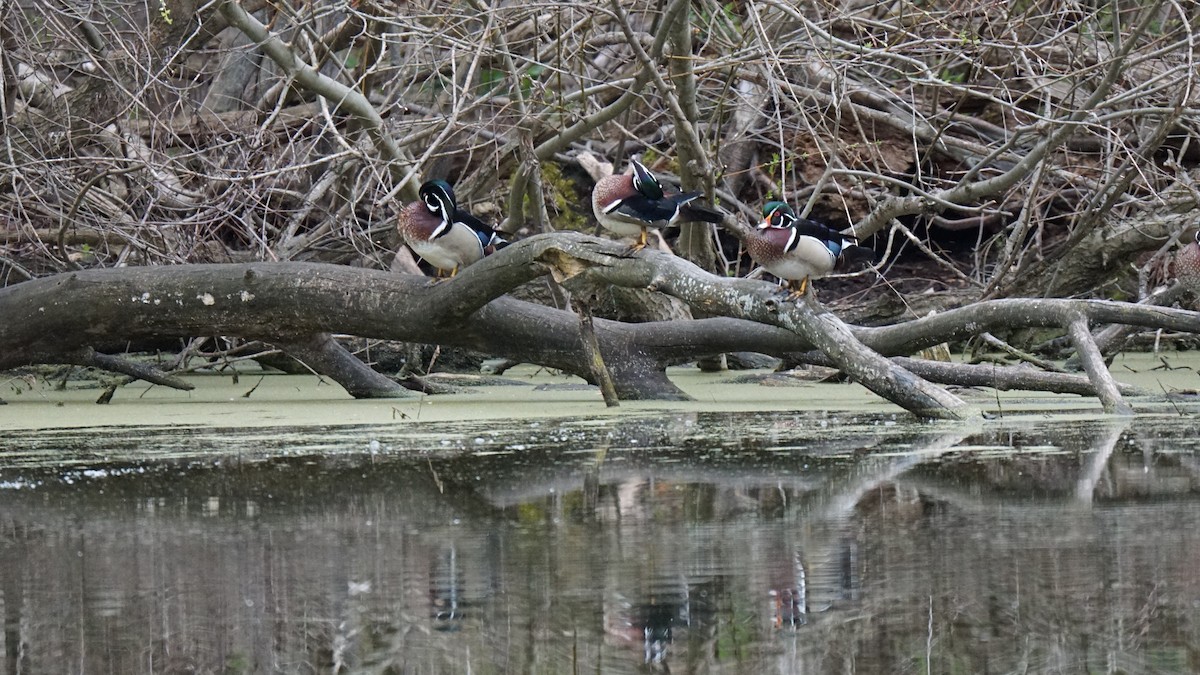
(778, 214)
(645, 182)
(438, 197)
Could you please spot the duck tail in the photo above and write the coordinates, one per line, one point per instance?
(854, 256)
(492, 241)
(692, 212)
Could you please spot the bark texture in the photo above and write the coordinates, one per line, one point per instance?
(296, 306)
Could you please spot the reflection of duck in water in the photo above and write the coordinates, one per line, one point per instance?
(789, 596)
(656, 622)
(651, 624)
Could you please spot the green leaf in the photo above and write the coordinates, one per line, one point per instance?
(489, 78)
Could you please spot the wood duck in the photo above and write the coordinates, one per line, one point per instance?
(444, 235)
(798, 249)
(1187, 266)
(631, 204)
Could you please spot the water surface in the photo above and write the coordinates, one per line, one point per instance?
(653, 542)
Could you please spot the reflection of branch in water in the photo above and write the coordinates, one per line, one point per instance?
(678, 449)
(832, 553)
(1190, 466)
(841, 495)
(1101, 450)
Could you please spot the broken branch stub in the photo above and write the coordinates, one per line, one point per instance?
(760, 302)
(50, 319)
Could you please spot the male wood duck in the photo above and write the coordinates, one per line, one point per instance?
(444, 235)
(1187, 266)
(630, 204)
(798, 249)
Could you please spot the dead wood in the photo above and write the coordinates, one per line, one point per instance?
(295, 306)
(1065, 154)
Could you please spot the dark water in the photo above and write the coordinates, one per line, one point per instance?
(680, 543)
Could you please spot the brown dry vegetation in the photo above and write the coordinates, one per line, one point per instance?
(987, 150)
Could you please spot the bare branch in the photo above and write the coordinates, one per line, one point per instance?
(340, 95)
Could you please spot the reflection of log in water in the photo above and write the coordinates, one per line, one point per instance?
(831, 553)
(12, 592)
(1101, 451)
(672, 552)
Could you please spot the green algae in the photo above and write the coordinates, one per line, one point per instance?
(276, 400)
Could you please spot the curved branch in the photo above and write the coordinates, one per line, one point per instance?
(1007, 314)
(325, 356)
(277, 302)
(337, 93)
(135, 370)
(757, 301)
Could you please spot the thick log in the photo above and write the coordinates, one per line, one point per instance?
(52, 319)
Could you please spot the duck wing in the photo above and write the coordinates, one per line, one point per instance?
(811, 228)
(488, 236)
(643, 210)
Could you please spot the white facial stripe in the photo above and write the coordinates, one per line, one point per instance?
(642, 177)
(439, 204)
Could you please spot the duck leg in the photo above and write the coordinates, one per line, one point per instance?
(797, 293)
(641, 242)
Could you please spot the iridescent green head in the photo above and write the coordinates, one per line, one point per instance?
(778, 214)
(645, 182)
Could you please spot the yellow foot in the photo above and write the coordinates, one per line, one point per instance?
(797, 293)
(641, 242)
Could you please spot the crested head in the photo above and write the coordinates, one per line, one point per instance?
(645, 182)
(438, 197)
(778, 214)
